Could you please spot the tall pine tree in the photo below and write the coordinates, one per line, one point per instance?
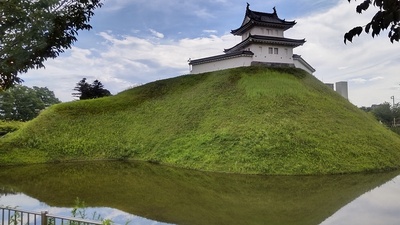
(85, 90)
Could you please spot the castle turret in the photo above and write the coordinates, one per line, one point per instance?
(263, 42)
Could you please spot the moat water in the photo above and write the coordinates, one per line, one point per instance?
(143, 193)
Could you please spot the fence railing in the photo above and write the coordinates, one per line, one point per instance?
(11, 216)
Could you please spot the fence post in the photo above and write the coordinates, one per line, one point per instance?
(44, 217)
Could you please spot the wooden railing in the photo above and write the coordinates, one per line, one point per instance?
(12, 216)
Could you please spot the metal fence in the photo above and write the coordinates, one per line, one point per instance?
(11, 216)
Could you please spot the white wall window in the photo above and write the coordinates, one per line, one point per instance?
(270, 50)
(276, 51)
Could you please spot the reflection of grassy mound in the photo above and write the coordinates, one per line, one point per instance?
(246, 120)
(191, 197)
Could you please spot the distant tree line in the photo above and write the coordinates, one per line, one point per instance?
(385, 113)
(21, 103)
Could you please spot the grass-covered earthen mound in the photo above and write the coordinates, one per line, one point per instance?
(246, 120)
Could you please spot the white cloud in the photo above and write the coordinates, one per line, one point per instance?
(204, 14)
(376, 78)
(364, 80)
(125, 61)
(361, 62)
(115, 5)
(122, 61)
(359, 80)
(210, 31)
(156, 34)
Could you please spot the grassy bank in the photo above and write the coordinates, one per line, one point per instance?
(9, 126)
(246, 120)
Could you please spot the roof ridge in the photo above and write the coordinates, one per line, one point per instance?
(263, 19)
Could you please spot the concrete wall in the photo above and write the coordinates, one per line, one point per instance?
(221, 65)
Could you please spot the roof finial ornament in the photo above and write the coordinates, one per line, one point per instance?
(274, 10)
(248, 5)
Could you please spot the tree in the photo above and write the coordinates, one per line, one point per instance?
(90, 91)
(33, 31)
(387, 17)
(23, 103)
(83, 90)
(383, 113)
(46, 96)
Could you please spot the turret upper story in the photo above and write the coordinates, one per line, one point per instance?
(262, 24)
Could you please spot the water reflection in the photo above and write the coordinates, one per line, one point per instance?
(191, 197)
(379, 206)
(22, 201)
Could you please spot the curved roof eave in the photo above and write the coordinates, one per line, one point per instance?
(267, 40)
(252, 23)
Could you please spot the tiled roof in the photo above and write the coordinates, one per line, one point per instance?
(221, 57)
(262, 19)
(267, 40)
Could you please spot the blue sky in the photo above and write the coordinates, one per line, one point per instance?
(136, 41)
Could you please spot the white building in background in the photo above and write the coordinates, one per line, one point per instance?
(342, 88)
(263, 43)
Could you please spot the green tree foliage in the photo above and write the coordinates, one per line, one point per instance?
(387, 17)
(22, 103)
(385, 113)
(33, 31)
(90, 91)
(46, 96)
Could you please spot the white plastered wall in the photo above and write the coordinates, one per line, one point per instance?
(262, 53)
(221, 65)
(263, 32)
(300, 65)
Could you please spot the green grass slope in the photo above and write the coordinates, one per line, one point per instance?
(246, 120)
